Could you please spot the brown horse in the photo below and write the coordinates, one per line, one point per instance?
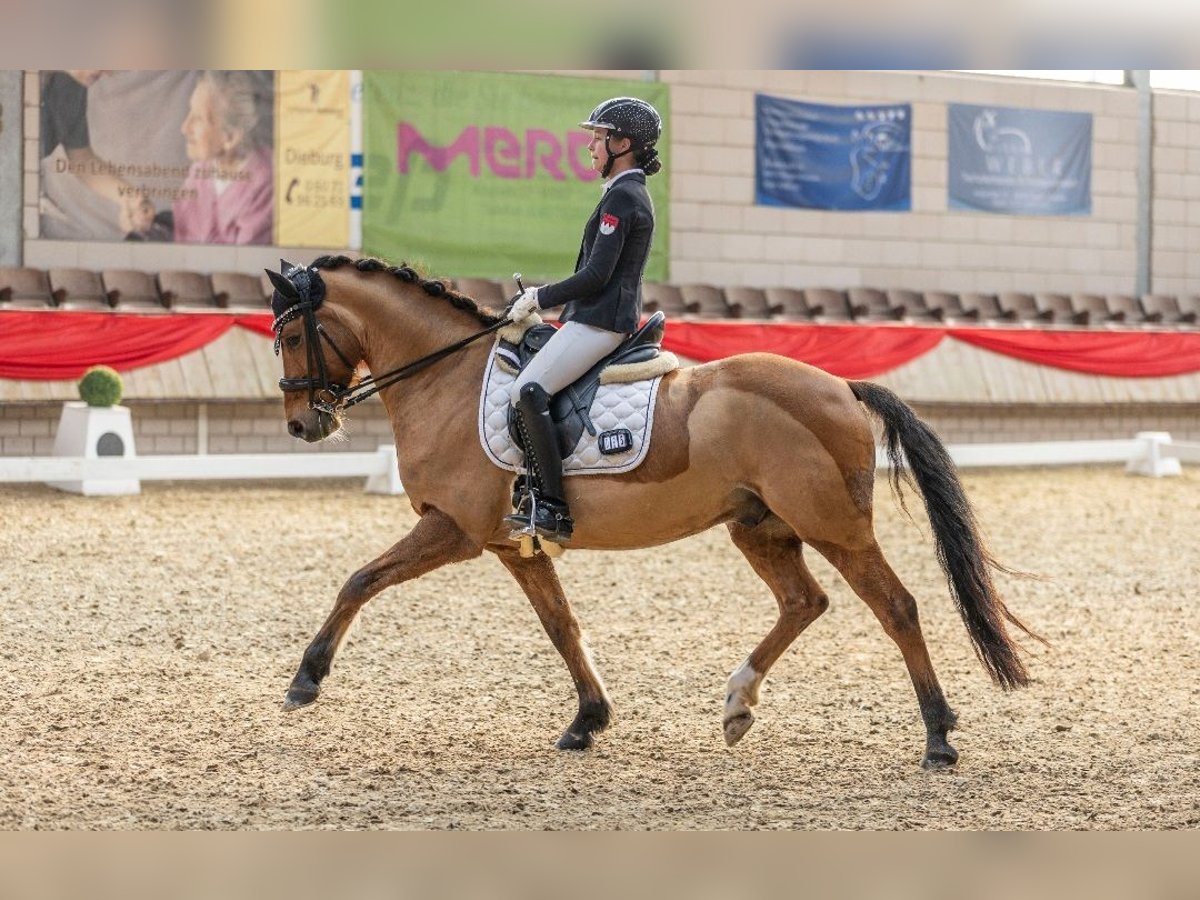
(779, 452)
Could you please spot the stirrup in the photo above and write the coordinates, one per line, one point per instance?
(541, 518)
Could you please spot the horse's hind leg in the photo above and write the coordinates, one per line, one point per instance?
(538, 579)
(433, 542)
(870, 576)
(775, 553)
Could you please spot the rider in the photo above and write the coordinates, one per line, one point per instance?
(603, 298)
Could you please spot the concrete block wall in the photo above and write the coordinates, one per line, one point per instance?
(719, 236)
(27, 429)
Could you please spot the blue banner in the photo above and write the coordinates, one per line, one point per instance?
(832, 157)
(1024, 161)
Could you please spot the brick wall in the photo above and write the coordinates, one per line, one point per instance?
(27, 429)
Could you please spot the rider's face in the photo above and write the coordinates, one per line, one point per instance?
(597, 149)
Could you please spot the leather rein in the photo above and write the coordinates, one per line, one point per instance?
(329, 396)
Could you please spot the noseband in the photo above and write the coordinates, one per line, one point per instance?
(298, 293)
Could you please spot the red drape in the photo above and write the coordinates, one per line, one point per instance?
(1137, 354)
(849, 351)
(50, 345)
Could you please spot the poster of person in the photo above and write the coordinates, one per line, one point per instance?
(184, 156)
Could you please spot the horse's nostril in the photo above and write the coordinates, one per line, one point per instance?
(296, 428)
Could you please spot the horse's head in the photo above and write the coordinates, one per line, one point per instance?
(320, 352)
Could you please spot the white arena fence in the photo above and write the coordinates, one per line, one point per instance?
(1150, 453)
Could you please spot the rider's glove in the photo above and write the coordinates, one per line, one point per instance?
(524, 306)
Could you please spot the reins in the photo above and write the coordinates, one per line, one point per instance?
(368, 387)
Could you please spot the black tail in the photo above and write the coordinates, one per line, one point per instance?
(960, 549)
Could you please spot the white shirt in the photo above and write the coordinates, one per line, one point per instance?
(612, 181)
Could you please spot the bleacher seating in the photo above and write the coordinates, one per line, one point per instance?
(133, 291)
(665, 297)
(913, 306)
(752, 302)
(834, 305)
(1167, 309)
(130, 290)
(948, 307)
(707, 301)
(873, 305)
(987, 307)
(1059, 309)
(78, 289)
(25, 288)
(240, 291)
(791, 304)
(186, 290)
(1095, 309)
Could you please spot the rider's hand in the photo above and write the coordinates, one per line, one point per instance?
(524, 306)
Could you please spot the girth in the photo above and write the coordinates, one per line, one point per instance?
(570, 407)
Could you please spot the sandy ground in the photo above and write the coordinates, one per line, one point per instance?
(147, 643)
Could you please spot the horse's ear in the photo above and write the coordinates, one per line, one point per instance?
(285, 266)
(285, 287)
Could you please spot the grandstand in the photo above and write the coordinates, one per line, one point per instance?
(732, 263)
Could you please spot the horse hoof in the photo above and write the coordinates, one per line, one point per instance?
(300, 696)
(572, 741)
(736, 728)
(943, 759)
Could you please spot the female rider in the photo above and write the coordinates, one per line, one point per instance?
(603, 299)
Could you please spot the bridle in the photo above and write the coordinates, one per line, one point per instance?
(302, 291)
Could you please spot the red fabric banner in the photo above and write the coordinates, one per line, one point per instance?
(54, 345)
(1126, 354)
(848, 351)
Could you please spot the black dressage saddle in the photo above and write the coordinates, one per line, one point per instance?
(569, 407)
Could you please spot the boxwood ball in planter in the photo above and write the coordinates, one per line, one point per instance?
(100, 386)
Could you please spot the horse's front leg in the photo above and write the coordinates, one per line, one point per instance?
(538, 579)
(435, 541)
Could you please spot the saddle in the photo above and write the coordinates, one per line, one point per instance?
(569, 408)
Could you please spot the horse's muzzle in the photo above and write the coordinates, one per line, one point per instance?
(313, 426)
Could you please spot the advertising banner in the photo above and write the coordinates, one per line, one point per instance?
(832, 157)
(185, 156)
(312, 181)
(482, 175)
(11, 169)
(1021, 161)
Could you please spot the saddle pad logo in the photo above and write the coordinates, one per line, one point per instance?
(619, 440)
(608, 223)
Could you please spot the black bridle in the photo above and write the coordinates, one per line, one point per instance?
(298, 294)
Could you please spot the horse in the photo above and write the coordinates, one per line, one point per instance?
(780, 453)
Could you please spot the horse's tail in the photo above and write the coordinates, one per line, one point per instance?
(960, 547)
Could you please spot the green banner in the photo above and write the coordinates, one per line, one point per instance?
(482, 175)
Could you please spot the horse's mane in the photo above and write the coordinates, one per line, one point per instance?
(409, 275)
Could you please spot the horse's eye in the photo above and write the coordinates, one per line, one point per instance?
(292, 341)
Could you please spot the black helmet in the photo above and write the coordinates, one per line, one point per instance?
(628, 117)
(631, 118)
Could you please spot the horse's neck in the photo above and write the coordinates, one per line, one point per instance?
(442, 396)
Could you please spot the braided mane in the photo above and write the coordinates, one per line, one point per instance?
(409, 275)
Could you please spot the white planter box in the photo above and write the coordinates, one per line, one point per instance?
(93, 432)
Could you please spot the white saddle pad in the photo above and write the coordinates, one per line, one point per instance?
(629, 405)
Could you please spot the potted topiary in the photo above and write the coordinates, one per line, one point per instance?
(96, 426)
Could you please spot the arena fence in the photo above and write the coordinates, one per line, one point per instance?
(1151, 453)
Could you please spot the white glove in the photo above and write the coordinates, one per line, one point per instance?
(525, 305)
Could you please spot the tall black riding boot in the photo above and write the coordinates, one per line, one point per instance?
(551, 516)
